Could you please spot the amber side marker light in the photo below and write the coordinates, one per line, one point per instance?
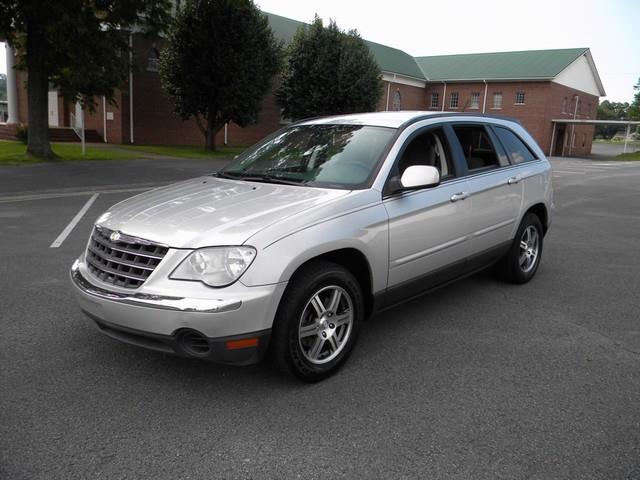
(244, 343)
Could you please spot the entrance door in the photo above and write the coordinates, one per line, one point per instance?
(53, 108)
(557, 150)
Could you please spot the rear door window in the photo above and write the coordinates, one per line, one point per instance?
(516, 149)
(476, 144)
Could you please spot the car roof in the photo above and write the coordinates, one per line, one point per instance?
(393, 119)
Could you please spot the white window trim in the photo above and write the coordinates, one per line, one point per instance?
(499, 107)
(477, 107)
(436, 96)
(457, 96)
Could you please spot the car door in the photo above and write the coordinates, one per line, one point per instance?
(427, 227)
(495, 192)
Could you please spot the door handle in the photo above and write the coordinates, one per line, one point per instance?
(513, 180)
(459, 196)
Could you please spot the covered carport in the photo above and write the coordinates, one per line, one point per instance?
(560, 130)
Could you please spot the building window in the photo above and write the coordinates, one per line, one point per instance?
(497, 100)
(519, 98)
(152, 60)
(435, 99)
(588, 110)
(397, 102)
(579, 107)
(564, 105)
(475, 101)
(453, 100)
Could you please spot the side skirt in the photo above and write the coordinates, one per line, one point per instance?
(435, 280)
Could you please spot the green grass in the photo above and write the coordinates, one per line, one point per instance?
(628, 156)
(616, 142)
(184, 151)
(14, 153)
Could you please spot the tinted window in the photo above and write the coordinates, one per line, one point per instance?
(516, 149)
(428, 148)
(477, 147)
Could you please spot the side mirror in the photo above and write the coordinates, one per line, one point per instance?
(418, 176)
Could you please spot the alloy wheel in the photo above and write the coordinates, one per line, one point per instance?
(325, 324)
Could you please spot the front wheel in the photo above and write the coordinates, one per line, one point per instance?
(317, 322)
(521, 263)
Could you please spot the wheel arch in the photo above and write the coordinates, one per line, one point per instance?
(356, 262)
(540, 210)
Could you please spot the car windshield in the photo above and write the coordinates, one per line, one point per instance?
(334, 156)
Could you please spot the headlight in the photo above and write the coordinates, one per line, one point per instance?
(215, 266)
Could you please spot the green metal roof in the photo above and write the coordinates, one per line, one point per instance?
(531, 64)
(389, 59)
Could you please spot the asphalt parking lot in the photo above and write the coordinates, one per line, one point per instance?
(479, 380)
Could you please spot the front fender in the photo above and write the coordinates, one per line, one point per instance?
(365, 230)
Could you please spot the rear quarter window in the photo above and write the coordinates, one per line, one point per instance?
(516, 149)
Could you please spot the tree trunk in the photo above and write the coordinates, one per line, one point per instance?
(37, 91)
(210, 135)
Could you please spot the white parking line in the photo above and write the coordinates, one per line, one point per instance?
(574, 172)
(67, 230)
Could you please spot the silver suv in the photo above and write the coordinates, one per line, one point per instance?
(291, 246)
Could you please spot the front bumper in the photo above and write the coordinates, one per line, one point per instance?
(232, 326)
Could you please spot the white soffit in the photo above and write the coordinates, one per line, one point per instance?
(581, 76)
(402, 79)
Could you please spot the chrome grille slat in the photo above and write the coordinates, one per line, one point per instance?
(122, 262)
(115, 271)
(105, 242)
(126, 262)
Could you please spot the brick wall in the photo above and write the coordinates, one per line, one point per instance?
(411, 98)
(561, 103)
(543, 102)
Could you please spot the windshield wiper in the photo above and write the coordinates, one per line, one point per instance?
(255, 177)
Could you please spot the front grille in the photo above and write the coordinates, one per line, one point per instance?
(125, 261)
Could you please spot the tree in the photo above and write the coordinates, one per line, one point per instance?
(219, 63)
(634, 108)
(328, 72)
(610, 111)
(78, 46)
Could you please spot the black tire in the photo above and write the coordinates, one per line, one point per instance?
(510, 268)
(296, 311)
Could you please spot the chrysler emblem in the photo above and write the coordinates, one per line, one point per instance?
(115, 236)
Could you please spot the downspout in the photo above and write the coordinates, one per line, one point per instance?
(444, 95)
(388, 92)
(104, 118)
(130, 88)
(484, 102)
(573, 125)
(225, 133)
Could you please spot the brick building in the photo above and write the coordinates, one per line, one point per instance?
(533, 86)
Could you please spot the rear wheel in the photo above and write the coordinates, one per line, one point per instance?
(317, 322)
(521, 263)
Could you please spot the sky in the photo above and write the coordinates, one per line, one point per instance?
(610, 28)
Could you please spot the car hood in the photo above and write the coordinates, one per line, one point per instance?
(209, 211)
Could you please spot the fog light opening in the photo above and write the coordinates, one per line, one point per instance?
(194, 343)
